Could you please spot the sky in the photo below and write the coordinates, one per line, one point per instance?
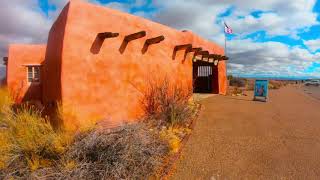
(272, 38)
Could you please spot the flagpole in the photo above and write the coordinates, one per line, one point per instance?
(225, 44)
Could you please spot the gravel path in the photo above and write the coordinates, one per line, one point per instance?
(236, 138)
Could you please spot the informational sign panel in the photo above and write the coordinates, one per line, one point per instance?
(261, 90)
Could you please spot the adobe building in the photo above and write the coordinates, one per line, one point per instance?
(97, 61)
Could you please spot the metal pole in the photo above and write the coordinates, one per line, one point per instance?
(225, 44)
(225, 48)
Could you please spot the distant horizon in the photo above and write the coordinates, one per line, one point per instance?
(276, 77)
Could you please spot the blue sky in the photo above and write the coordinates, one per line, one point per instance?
(271, 38)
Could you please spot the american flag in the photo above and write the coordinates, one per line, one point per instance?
(227, 29)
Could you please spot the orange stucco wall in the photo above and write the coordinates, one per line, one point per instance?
(108, 85)
(18, 57)
(52, 65)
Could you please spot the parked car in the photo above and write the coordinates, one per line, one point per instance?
(312, 83)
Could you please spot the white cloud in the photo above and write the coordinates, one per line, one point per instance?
(283, 17)
(269, 58)
(191, 15)
(22, 21)
(286, 17)
(313, 45)
(114, 5)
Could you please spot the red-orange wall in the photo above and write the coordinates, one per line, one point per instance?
(20, 55)
(52, 65)
(107, 85)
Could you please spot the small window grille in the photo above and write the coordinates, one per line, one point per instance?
(204, 71)
(33, 74)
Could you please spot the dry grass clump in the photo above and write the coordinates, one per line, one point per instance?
(5, 101)
(237, 82)
(167, 103)
(129, 152)
(174, 136)
(169, 110)
(27, 141)
(275, 84)
(31, 149)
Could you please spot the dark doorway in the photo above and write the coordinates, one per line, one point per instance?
(205, 77)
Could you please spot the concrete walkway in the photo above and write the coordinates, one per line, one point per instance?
(236, 138)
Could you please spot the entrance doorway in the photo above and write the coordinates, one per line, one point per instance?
(205, 77)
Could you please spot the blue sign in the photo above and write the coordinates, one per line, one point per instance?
(261, 90)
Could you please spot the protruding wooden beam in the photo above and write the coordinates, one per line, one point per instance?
(205, 57)
(196, 49)
(218, 57)
(97, 44)
(215, 56)
(135, 36)
(150, 41)
(211, 58)
(155, 40)
(105, 35)
(129, 38)
(180, 47)
(202, 53)
(224, 58)
(188, 50)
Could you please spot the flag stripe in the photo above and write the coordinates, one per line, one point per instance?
(227, 29)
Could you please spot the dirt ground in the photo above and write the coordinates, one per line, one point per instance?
(237, 138)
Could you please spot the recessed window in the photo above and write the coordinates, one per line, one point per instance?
(33, 74)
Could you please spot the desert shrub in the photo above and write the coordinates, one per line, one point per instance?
(31, 149)
(274, 84)
(238, 82)
(28, 142)
(167, 103)
(236, 91)
(5, 100)
(229, 77)
(250, 85)
(174, 136)
(129, 152)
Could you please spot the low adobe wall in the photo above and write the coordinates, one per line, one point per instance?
(19, 56)
(104, 81)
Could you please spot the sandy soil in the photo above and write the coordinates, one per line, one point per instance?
(236, 138)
